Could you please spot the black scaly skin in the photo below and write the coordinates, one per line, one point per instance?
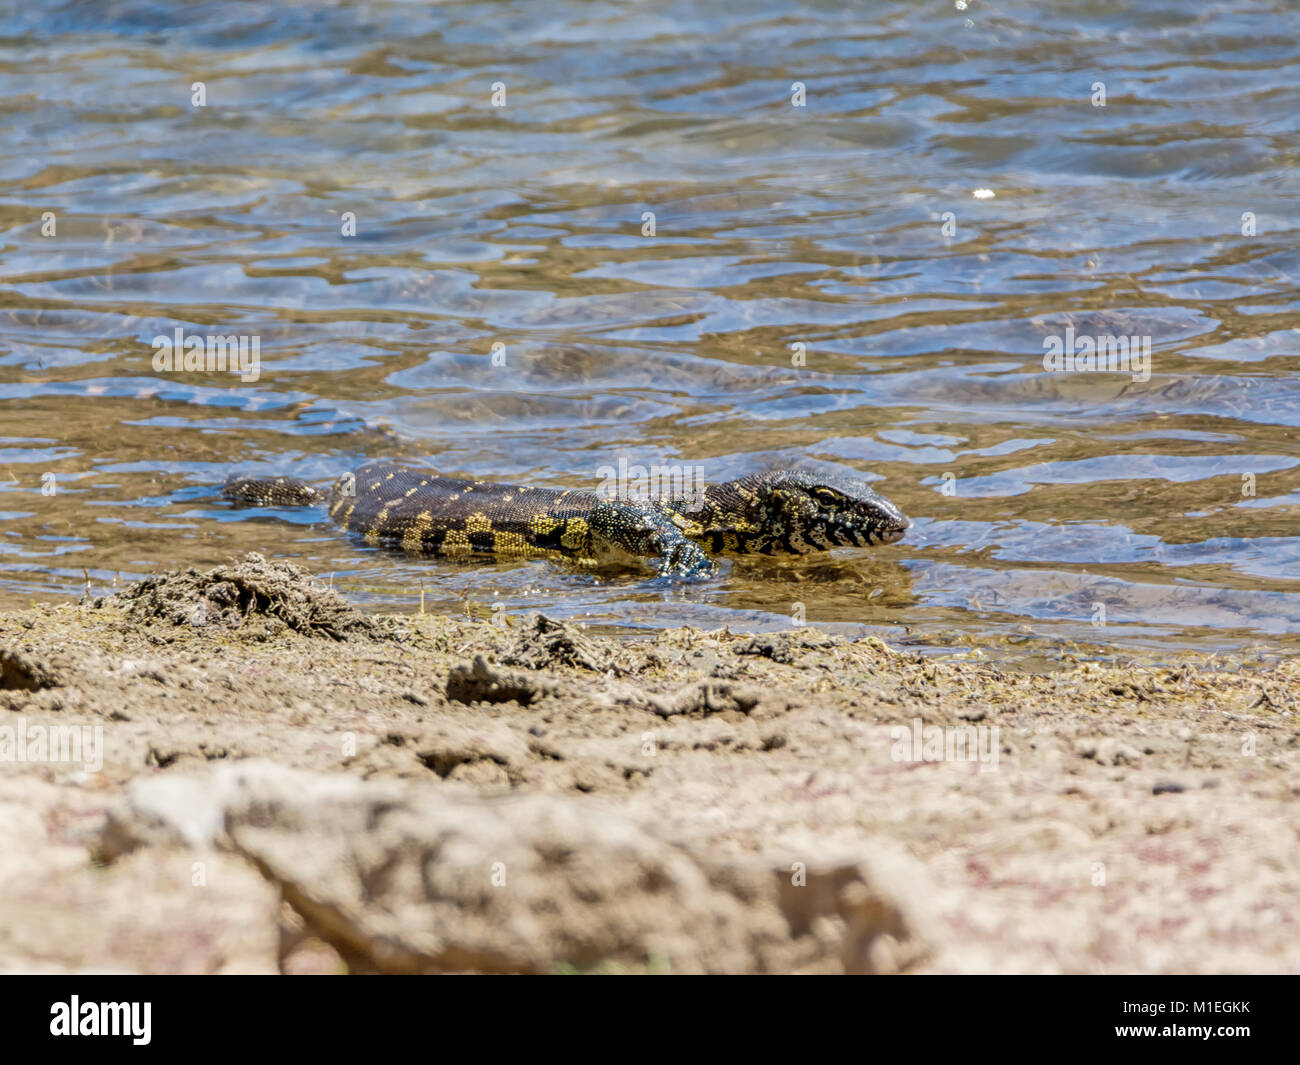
(779, 512)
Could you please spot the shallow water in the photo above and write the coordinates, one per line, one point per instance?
(947, 200)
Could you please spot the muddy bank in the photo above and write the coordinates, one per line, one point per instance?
(268, 780)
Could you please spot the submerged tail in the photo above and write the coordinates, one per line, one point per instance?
(272, 491)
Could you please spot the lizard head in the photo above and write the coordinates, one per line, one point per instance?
(813, 510)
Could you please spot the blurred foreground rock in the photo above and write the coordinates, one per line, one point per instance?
(398, 877)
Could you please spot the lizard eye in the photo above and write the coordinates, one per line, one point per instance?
(826, 496)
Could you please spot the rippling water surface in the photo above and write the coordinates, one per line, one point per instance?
(868, 282)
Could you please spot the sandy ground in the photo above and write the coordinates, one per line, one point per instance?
(271, 781)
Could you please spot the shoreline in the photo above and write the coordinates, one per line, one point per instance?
(653, 802)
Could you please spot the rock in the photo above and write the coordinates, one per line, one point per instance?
(785, 647)
(1114, 752)
(1107, 751)
(400, 878)
(711, 697)
(279, 593)
(22, 671)
(480, 682)
(542, 643)
(165, 910)
(449, 748)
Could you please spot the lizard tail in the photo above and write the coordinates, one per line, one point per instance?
(272, 491)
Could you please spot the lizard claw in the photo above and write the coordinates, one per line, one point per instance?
(685, 560)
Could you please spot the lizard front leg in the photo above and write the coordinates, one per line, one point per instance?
(651, 533)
